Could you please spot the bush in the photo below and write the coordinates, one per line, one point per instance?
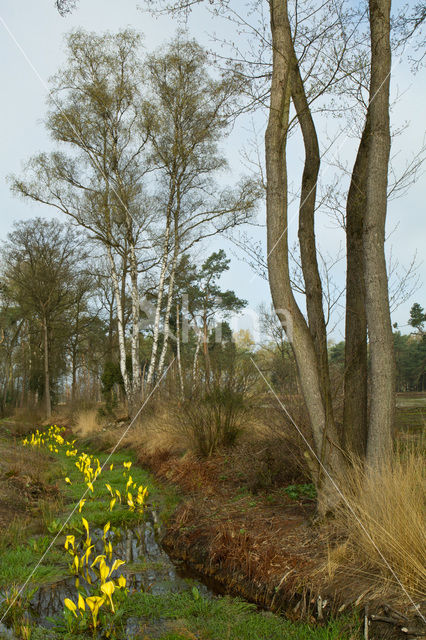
(212, 419)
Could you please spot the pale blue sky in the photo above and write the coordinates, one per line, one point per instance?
(34, 49)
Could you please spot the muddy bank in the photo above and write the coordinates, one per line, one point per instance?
(298, 604)
(265, 553)
(197, 546)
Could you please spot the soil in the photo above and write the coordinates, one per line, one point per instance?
(263, 548)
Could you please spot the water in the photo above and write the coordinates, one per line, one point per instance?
(148, 568)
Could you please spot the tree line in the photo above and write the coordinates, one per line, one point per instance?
(136, 168)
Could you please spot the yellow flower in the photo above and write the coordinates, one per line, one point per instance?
(86, 526)
(106, 528)
(130, 502)
(70, 540)
(97, 559)
(111, 466)
(81, 504)
(68, 481)
(108, 486)
(70, 605)
(90, 485)
(108, 549)
(129, 482)
(81, 604)
(85, 557)
(103, 571)
(94, 603)
(121, 582)
(75, 564)
(112, 503)
(108, 589)
(116, 564)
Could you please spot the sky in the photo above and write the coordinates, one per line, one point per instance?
(32, 49)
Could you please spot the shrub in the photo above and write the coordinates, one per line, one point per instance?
(213, 419)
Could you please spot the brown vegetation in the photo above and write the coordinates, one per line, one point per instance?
(26, 487)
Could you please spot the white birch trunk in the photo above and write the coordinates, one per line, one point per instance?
(136, 369)
(197, 351)
(178, 354)
(158, 307)
(120, 324)
(168, 309)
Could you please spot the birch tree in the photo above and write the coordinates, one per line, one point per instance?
(95, 107)
(188, 111)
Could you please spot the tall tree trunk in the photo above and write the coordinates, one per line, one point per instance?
(197, 352)
(74, 374)
(376, 283)
(355, 403)
(136, 367)
(169, 302)
(74, 351)
(325, 442)
(47, 400)
(120, 323)
(206, 349)
(155, 338)
(178, 351)
(308, 249)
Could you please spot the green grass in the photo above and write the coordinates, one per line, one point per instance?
(96, 509)
(16, 564)
(228, 619)
(186, 616)
(18, 561)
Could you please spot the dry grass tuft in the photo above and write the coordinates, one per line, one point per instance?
(87, 423)
(382, 527)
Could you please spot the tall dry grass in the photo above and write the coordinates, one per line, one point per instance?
(87, 422)
(381, 527)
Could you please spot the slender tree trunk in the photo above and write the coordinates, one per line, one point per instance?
(206, 350)
(178, 353)
(74, 350)
(48, 404)
(163, 270)
(136, 368)
(74, 374)
(325, 442)
(196, 354)
(355, 402)
(169, 306)
(120, 323)
(24, 375)
(376, 283)
(308, 249)
(6, 381)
